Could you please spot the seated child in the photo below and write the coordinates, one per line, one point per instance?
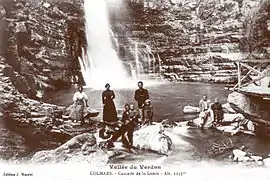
(129, 120)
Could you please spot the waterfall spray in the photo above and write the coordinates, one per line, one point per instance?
(100, 63)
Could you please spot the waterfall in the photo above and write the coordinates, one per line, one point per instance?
(100, 63)
(114, 39)
(151, 68)
(159, 65)
(133, 72)
(137, 61)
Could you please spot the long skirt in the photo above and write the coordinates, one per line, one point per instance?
(77, 112)
(109, 112)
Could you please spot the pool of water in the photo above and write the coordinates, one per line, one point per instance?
(168, 99)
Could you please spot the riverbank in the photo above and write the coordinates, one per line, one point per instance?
(40, 124)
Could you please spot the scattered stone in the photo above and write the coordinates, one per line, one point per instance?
(244, 159)
(191, 110)
(250, 126)
(46, 5)
(232, 130)
(256, 158)
(237, 153)
(260, 163)
(56, 131)
(266, 162)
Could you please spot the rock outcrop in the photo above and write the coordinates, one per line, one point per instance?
(45, 124)
(254, 106)
(196, 40)
(41, 43)
(82, 148)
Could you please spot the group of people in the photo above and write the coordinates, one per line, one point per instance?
(215, 110)
(130, 116)
(212, 110)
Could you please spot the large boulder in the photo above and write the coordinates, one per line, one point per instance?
(233, 117)
(82, 148)
(228, 109)
(152, 138)
(239, 101)
(266, 162)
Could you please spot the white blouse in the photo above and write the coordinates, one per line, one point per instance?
(80, 95)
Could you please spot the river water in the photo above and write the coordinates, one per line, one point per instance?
(168, 100)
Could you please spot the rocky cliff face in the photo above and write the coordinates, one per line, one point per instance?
(195, 39)
(192, 40)
(41, 43)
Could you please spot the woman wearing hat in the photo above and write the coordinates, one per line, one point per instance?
(80, 103)
(109, 110)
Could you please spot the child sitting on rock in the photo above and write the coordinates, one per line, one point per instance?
(204, 106)
(147, 113)
(129, 122)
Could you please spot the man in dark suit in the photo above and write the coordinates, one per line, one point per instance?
(141, 95)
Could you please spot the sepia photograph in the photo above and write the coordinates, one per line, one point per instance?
(176, 89)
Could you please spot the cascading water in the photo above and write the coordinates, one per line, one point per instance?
(159, 65)
(100, 63)
(137, 59)
(114, 39)
(133, 72)
(153, 60)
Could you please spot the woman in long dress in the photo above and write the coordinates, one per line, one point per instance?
(80, 100)
(109, 110)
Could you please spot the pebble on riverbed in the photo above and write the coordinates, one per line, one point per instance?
(239, 155)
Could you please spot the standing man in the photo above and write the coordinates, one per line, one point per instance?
(141, 95)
